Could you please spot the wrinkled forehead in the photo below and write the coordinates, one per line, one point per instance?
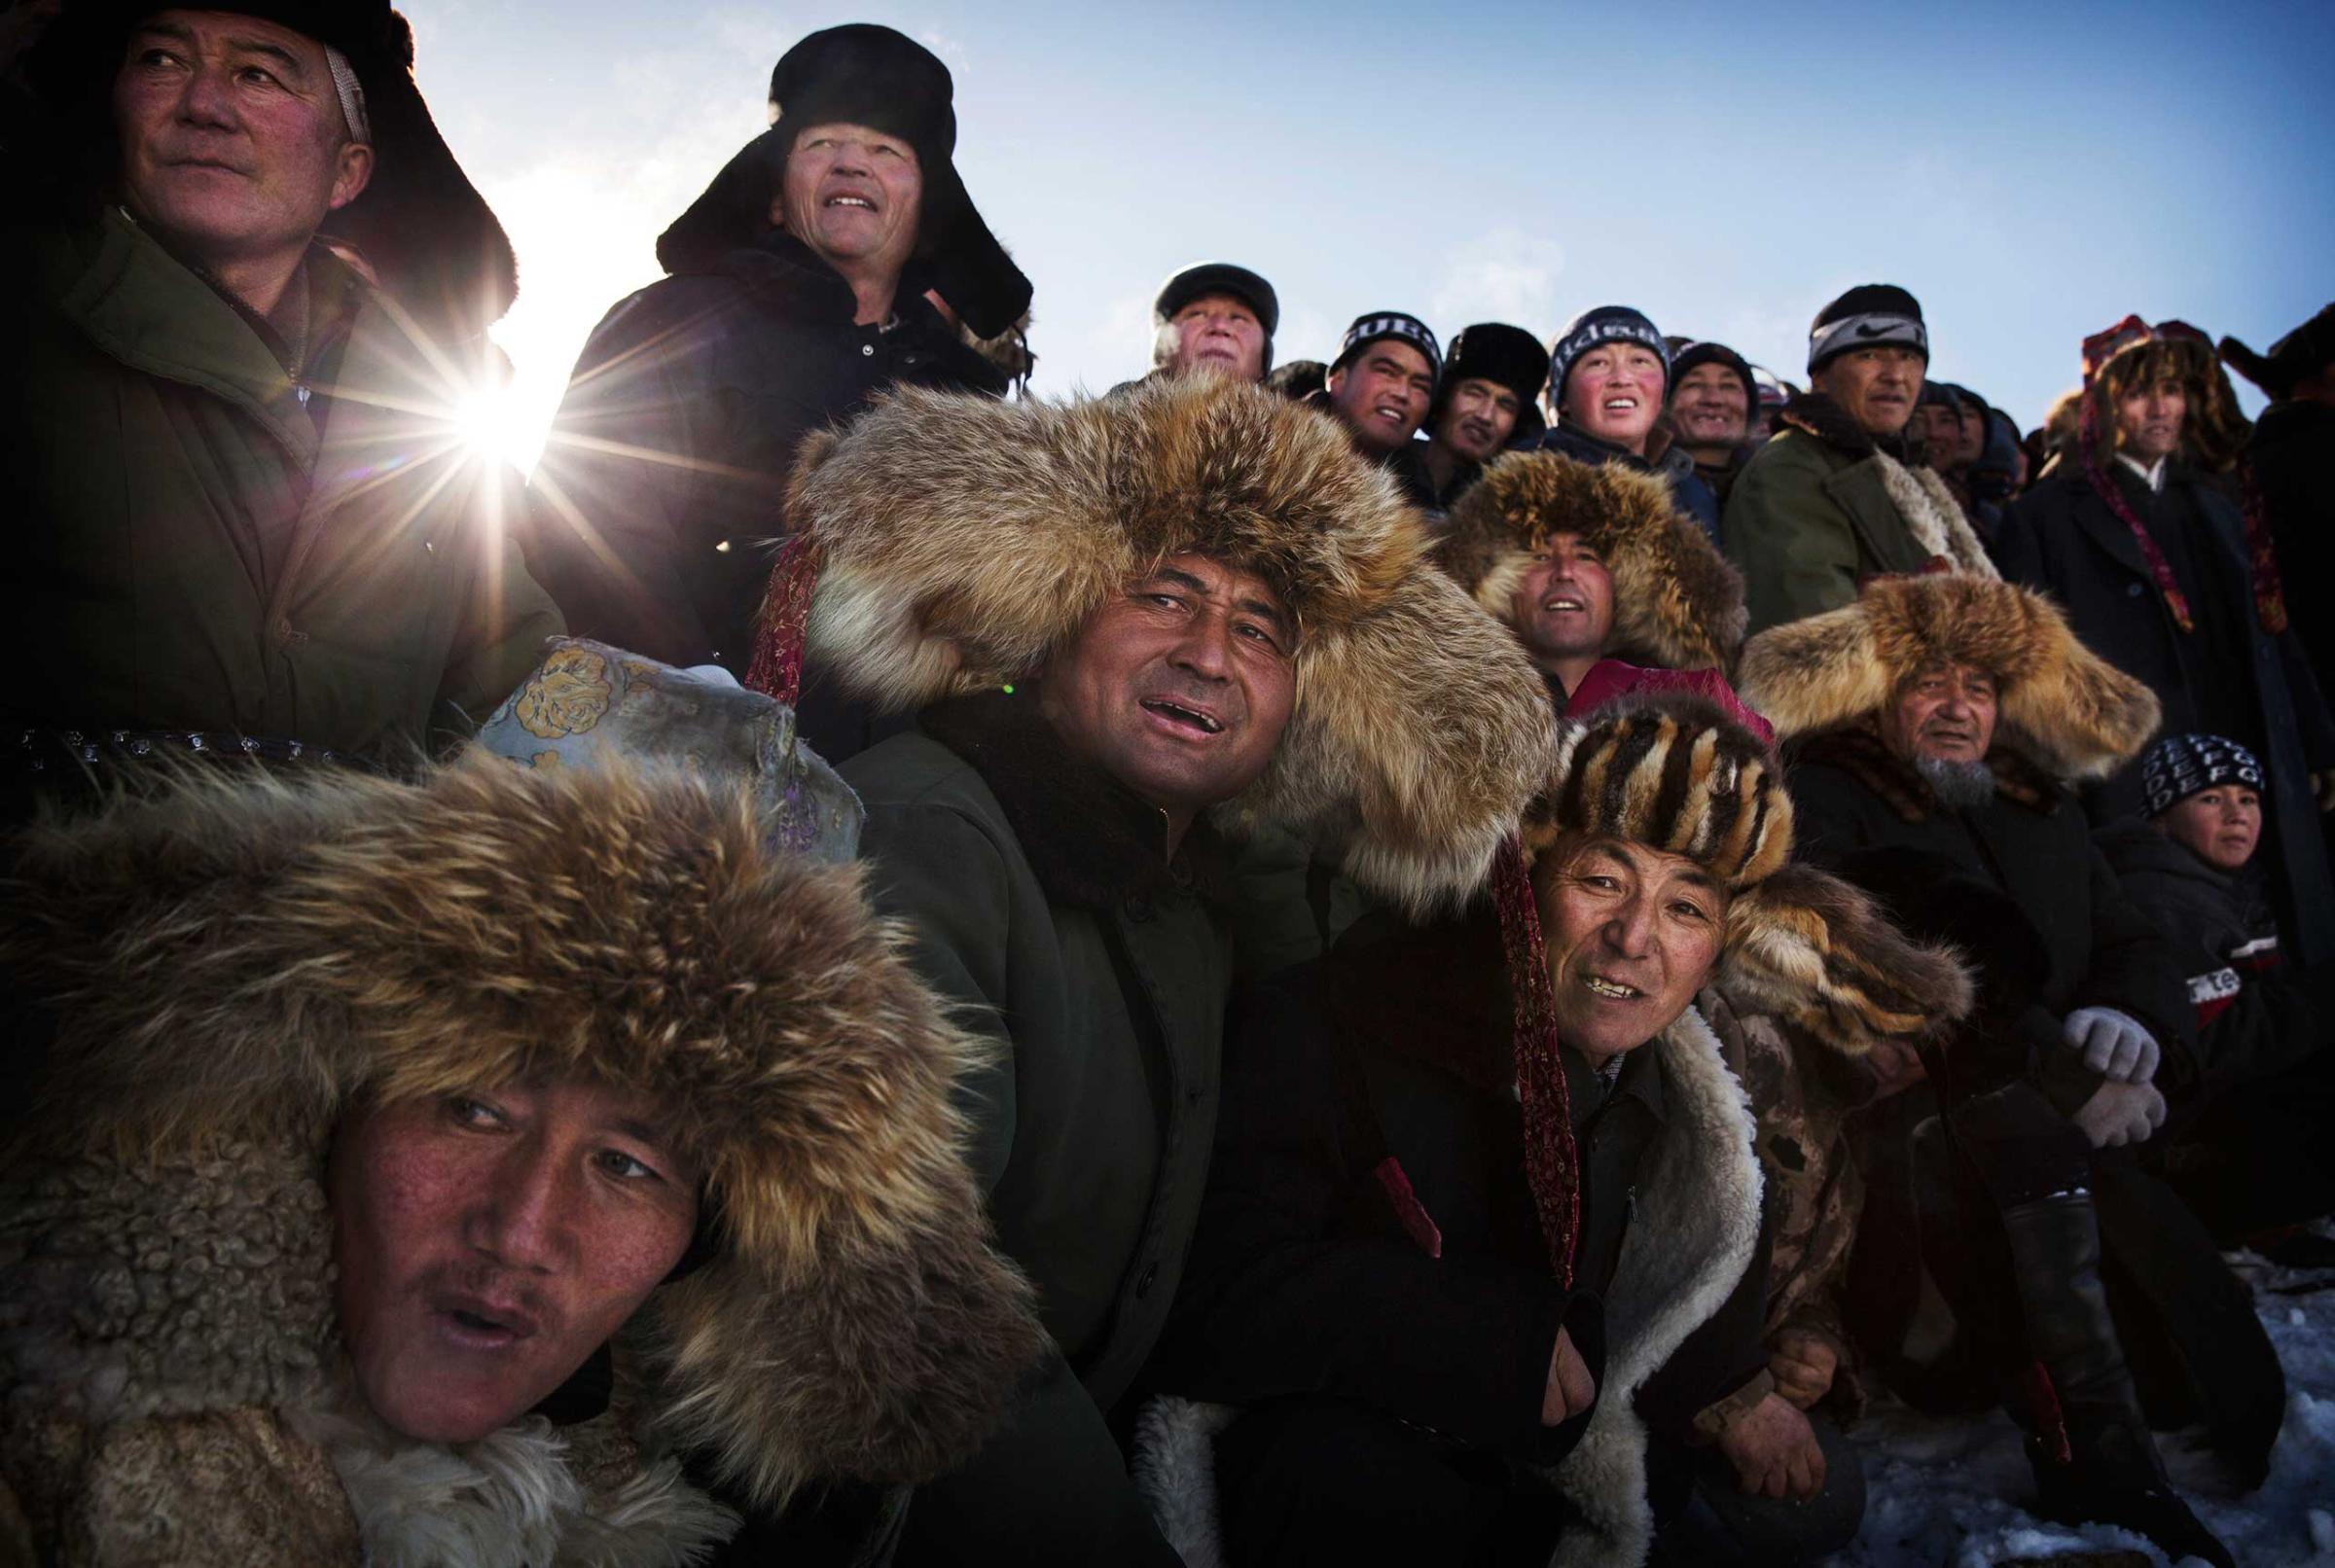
(232, 28)
(1230, 579)
(1949, 673)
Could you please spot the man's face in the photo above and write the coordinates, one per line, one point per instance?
(852, 194)
(1972, 435)
(1477, 419)
(1710, 407)
(2219, 826)
(1383, 395)
(1632, 933)
(1941, 435)
(233, 140)
(1179, 689)
(1944, 715)
(490, 1242)
(1614, 392)
(2148, 419)
(1563, 608)
(1219, 332)
(1877, 387)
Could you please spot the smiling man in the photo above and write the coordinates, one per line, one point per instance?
(1485, 403)
(247, 514)
(1831, 499)
(797, 293)
(1713, 396)
(1141, 623)
(1608, 372)
(1379, 389)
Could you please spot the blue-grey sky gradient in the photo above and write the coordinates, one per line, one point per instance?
(2030, 171)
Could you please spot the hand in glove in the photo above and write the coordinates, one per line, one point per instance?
(2114, 1044)
(2119, 1114)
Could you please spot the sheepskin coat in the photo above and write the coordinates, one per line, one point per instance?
(206, 979)
(1309, 1276)
(1823, 506)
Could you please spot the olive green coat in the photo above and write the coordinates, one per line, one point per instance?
(1043, 900)
(1807, 522)
(200, 542)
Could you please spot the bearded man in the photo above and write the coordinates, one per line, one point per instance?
(1132, 624)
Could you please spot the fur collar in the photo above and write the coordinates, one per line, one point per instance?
(1690, 1241)
(1091, 844)
(1930, 512)
(1859, 751)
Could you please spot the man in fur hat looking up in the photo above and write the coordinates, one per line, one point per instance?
(1832, 499)
(796, 293)
(2167, 579)
(1940, 724)
(247, 517)
(1135, 625)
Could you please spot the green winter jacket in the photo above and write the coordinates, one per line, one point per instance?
(204, 543)
(1042, 900)
(1807, 521)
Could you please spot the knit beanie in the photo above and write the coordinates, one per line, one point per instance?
(1702, 354)
(2179, 767)
(1400, 325)
(1605, 324)
(1871, 316)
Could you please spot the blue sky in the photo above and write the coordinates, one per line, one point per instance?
(2030, 171)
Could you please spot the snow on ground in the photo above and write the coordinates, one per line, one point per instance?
(1941, 1492)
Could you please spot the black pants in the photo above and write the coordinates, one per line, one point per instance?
(1311, 1481)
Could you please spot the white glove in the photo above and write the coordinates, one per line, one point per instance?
(2121, 1113)
(2114, 1044)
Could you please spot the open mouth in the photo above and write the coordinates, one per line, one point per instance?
(1613, 990)
(849, 201)
(1193, 719)
(1621, 404)
(479, 1323)
(1564, 604)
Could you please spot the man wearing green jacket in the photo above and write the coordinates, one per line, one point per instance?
(246, 514)
(1831, 500)
(1132, 626)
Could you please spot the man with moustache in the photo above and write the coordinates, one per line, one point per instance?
(1379, 388)
(1831, 500)
(1484, 405)
(1712, 398)
(797, 292)
(1607, 373)
(2169, 580)
(1144, 623)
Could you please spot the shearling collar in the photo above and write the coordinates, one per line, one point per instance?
(1091, 842)
(1857, 751)
(1817, 414)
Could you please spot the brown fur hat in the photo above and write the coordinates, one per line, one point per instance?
(236, 962)
(1675, 772)
(961, 540)
(2069, 710)
(1678, 602)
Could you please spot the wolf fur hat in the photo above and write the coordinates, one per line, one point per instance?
(958, 541)
(2064, 707)
(1678, 602)
(228, 967)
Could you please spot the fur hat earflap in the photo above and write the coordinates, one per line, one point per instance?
(2064, 707)
(960, 541)
(1678, 602)
(239, 961)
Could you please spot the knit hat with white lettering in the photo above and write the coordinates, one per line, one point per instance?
(2179, 767)
(1593, 327)
(1871, 316)
(1396, 324)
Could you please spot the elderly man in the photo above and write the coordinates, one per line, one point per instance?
(1215, 319)
(1479, 1285)
(1607, 373)
(798, 291)
(1713, 396)
(246, 514)
(1379, 388)
(1136, 620)
(1483, 404)
(455, 1247)
(1940, 720)
(2164, 577)
(1831, 500)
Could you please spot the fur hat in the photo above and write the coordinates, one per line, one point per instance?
(958, 541)
(2307, 350)
(236, 962)
(1510, 356)
(1678, 602)
(2067, 708)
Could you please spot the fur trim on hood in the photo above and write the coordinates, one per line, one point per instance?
(2064, 706)
(230, 965)
(1678, 602)
(961, 540)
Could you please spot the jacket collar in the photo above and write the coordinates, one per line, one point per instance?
(1817, 414)
(1857, 751)
(1092, 843)
(782, 270)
